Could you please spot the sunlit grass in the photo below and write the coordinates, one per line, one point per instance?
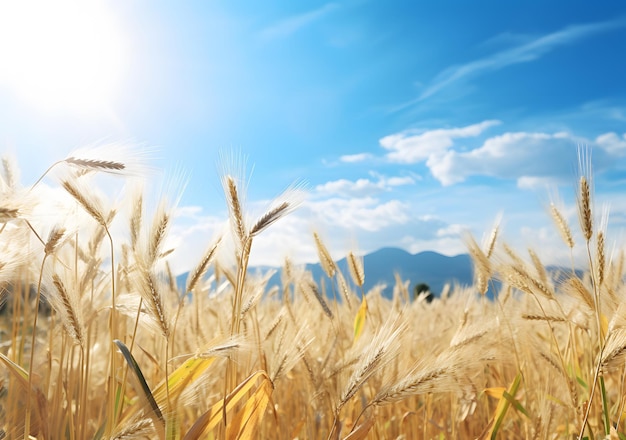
(120, 351)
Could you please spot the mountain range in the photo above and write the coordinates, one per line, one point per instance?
(428, 267)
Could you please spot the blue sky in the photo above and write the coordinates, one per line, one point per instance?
(410, 122)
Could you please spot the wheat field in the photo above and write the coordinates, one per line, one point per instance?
(118, 351)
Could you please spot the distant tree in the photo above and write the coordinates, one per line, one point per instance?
(421, 288)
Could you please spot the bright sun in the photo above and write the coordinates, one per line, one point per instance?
(65, 54)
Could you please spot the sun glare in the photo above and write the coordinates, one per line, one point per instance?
(61, 55)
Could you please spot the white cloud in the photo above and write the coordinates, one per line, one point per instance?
(188, 211)
(453, 230)
(613, 143)
(509, 156)
(400, 181)
(291, 25)
(406, 147)
(352, 158)
(345, 187)
(446, 245)
(533, 182)
(367, 213)
(522, 53)
(362, 187)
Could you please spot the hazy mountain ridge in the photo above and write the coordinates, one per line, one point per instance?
(427, 267)
(380, 266)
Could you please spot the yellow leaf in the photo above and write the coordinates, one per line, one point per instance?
(212, 417)
(495, 392)
(243, 425)
(359, 321)
(501, 409)
(180, 378)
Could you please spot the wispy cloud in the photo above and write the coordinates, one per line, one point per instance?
(290, 25)
(522, 53)
(352, 158)
(366, 213)
(362, 187)
(538, 183)
(411, 147)
(613, 143)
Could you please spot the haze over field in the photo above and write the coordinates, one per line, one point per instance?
(410, 123)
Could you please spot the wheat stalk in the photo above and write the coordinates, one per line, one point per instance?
(539, 267)
(9, 172)
(8, 214)
(270, 217)
(531, 317)
(382, 349)
(343, 287)
(491, 242)
(198, 272)
(355, 265)
(150, 290)
(419, 382)
(55, 237)
(135, 221)
(142, 428)
(66, 307)
(235, 210)
(614, 349)
(95, 164)
(482, 265)
(326, 261)
(563, 227)
(160, 225)
(310, 287)
(89, 204)
(584, 208)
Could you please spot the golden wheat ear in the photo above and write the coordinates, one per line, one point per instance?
(282, 205)
(139, 428)
(585, 192)
(10, 176)
(382, 349)
(200, 270)
(151, 289)
(236, 211)
(482, 266)
(326, 261)
(308, 286)
(17, 203)
(234, 184)
(67, 305)
(150, 240)
(76, 188)
(96, 164)
(136, 217)
(355, 266)
(114, 158)
(562, 225)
